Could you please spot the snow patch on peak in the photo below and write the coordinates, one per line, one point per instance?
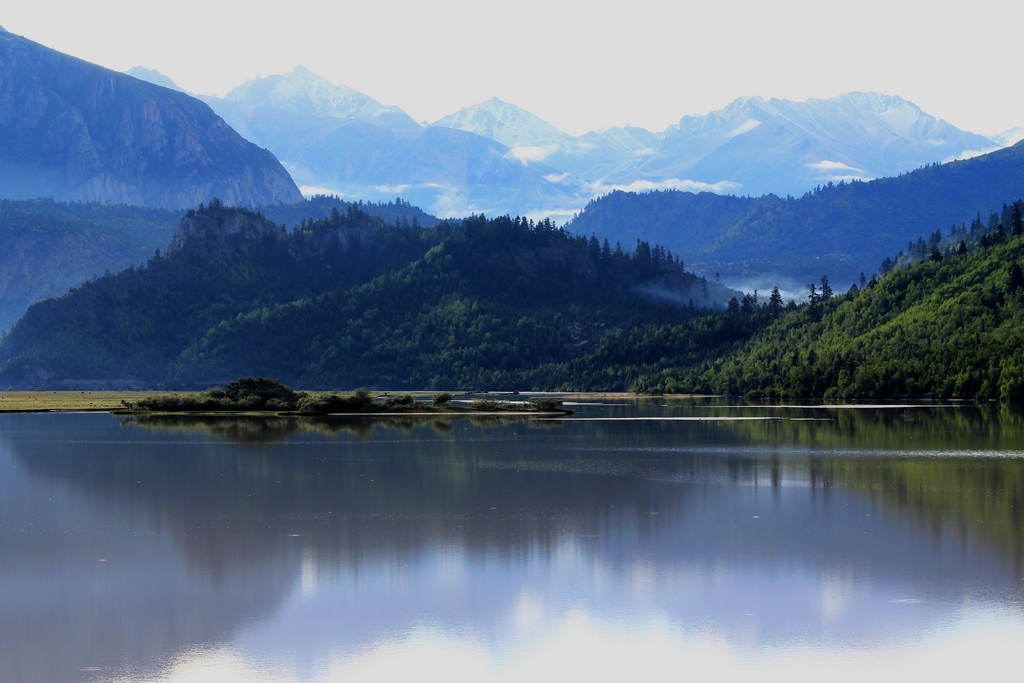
(745, 127)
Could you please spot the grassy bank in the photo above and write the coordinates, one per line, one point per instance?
(44, 401)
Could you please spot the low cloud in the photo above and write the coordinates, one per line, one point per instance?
(831, 166)
(528, 154)
(559, 216)
(970, 154)
(311, 190)
(599, 187)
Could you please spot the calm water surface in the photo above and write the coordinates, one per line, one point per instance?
(778, 542)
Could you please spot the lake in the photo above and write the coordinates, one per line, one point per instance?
(638, 539)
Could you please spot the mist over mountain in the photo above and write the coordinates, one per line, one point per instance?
(447, 172)
(47, 247)
(76, 131)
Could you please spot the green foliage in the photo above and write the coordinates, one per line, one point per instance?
(243, 394)
(545, 403)
(350, 300)
(950, 328)
(360, 401)
(442, 399)
(321, 206)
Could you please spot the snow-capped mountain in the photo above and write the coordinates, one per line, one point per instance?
(506, 123)
(591, 157)
(446, 172)
(752, 146)
(524, 164)
(303, 92)
(787, 147)
(1008, 138)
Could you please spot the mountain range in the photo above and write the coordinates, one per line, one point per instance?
(72, 130)
(512, 161)
(840, 229)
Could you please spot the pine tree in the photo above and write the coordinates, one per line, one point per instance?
(826, 290)
(775, 302)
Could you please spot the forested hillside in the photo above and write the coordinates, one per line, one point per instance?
(838, 230)
(950, 327)
(321, 206)
(48, 247)
(351, 300)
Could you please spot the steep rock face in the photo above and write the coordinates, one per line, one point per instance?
(76, 131)
(216, 228)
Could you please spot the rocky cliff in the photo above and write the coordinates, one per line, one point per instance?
(76, 131)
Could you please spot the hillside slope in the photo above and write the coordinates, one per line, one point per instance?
(72, 130)
(952, 328)
(347, 301)
(48, 247)
(840, 230)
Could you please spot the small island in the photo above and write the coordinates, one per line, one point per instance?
(248, 395)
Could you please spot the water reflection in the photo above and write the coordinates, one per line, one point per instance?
(303, 549)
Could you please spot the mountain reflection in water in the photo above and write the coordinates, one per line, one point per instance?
(302, 549)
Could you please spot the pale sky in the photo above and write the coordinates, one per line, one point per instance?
(579, 65)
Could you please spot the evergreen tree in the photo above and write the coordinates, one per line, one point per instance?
(775, 301)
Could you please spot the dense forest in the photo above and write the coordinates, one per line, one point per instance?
(351, 300)
(322, 205)
(950, 326)
(48, 247)
(840, 229)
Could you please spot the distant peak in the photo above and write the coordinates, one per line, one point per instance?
(300, 70)
(874, 100)
(152, 76)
